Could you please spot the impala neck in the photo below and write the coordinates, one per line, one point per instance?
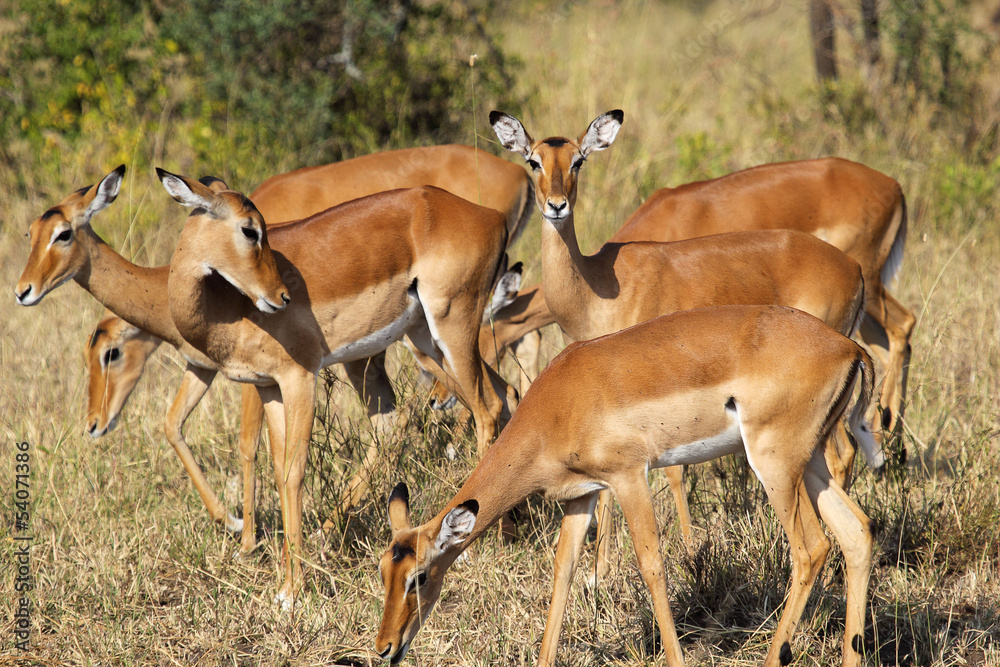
(508, 474)
(137, 294)
(571, 280)
(204, 308)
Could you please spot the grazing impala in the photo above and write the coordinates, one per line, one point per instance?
(342, 285)
(768, 381)
(624, 284)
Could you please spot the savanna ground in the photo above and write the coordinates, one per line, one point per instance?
(129, 569)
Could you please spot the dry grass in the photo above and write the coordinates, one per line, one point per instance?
(130, 570)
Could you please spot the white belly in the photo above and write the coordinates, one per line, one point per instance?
(376, 341)
(728, 441)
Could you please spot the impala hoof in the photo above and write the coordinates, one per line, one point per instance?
(234, 525)
(286, 601)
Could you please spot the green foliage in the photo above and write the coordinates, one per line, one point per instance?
(241, 80)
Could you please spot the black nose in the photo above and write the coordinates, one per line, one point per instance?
(558, 207)
(386, 653)
(26, 292)
(287, 299)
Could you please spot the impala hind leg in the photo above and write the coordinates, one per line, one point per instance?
(451, 338)
(370, 380)
(195, 383)
(576, 521)
(851, 528)
(886, 329)
(637, 506)
(526, 351)
(251, 418)
(782, 480)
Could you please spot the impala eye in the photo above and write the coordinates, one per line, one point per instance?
(65, 235)
(534, 165)
(417, 581)
(112, 355)
(251, 234)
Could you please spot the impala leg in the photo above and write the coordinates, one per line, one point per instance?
(194, 385)
(675, 477)
(602, 556)
(299, 398)
(637, 506)
(369, 379)
(575, 523)
(886, 329)
(252, 416)
(850, 527)
(797, 514)
(274, 412)
(839, 452)
(526, 351)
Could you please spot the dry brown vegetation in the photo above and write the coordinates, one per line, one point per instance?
(129, 569)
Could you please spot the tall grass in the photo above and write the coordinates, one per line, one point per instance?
(130, 570)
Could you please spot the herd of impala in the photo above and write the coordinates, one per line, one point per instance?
(717, 320)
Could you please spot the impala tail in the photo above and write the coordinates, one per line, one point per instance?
(857, 422)
(895, 258)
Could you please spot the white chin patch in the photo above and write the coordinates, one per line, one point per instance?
(265, 306)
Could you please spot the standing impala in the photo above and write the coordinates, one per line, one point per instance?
(624, 284)
(65, 247)
(855, 208)
(769, 381)
(467, 172)
(359, 277)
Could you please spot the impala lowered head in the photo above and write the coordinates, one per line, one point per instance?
(56, 255)
(555, 162)
(413, 569)
(225, 234)
(115, 355)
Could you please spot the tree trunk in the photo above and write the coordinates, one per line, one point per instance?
(869, 20)
(821, 26)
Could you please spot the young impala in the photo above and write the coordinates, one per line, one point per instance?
(624, 284)
(339, 286)
(768, 381)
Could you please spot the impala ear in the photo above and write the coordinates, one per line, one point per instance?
(602, 132)
(186, 191)
(511, 133)
(214, 184)
(457, 525)
(399, 508)
(105, 193)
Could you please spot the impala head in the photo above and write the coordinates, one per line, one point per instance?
(413, 569)
(115, 355)
(226, 233)
(555, 162)
(57, 254)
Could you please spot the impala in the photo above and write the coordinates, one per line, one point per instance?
(624, 284)
(467, 172)
(769, 381)
(340, 286)
(855, 208)
(852, 207)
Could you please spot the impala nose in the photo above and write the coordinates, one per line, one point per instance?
(23, 295)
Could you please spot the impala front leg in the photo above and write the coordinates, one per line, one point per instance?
(576, 521)
(298, 396)
(251, 417)
(194, 385)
